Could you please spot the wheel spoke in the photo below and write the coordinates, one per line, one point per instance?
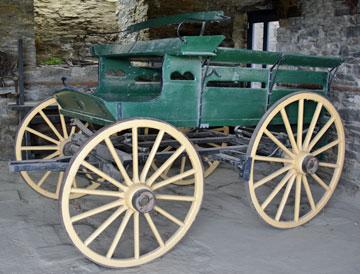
(173, 179)
(154, 229)
(175, 198)
(59, 183)
(52, 155)
(151, 156)
(326, 147)
(103, 175)
(300, 123)
(182, 164)
(320, 182)
(167, 163)
(169, 216)
(39, 148)
(118, 162)
(119, 233)
(271, 176)
(51, 125)
(43, 178)
(41, 135)
(135, 158)
(107, 193)
(75, 185)
(72, 130)
(136, 236)
(330, 165)
(96, 210)
(166, 171)
(63, 124)
(308, 192)
(276, 190)
(272, 159)
(289, 130)
(209, 162)
(284, 198)
(297, 198)
(321, 133)
(104, 225)
(278, 143)
(312, 125)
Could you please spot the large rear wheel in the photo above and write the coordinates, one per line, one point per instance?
(135, 216)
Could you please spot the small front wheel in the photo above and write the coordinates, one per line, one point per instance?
(297, 154)
(135, 216)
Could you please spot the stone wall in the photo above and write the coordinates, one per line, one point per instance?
(64, 29)
(330, 27)
(16, 21)
(131, 12)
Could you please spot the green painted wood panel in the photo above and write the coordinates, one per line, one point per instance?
(222, 73)
(178, 102)
(119, 80)
(233, 106)
(301, 77)
(86, 107)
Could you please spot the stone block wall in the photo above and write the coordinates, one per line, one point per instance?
(330, 27)
(63, 28)
(16, 21)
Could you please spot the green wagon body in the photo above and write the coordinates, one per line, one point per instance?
(194, 82)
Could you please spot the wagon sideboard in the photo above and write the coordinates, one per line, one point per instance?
(192, 82)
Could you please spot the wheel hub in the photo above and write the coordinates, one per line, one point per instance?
(310, 164)
(141, 198)
(63, 146)
(306, 163)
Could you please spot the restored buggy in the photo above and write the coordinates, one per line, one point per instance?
(128, 160)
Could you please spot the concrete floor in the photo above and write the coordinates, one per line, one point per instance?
(227, 236)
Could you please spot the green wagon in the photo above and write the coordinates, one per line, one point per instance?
(127, 161)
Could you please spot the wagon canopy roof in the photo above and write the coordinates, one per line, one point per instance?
(209, 16)
(192, 45)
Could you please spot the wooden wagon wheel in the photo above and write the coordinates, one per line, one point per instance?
(209, 165)
(130, 223)
(291, 186)
(50, 140)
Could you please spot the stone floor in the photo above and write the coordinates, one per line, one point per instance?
(227, 236)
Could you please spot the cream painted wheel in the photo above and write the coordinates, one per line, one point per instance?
(209, 165)
(127, 221)
(46, 141)
(291, 186)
